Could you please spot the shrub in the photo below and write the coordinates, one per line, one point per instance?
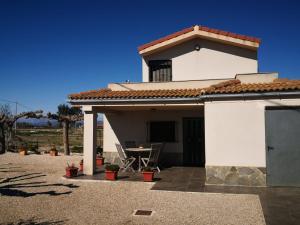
(71, 167)
(147, 169)
(99, 150)
(112, 167)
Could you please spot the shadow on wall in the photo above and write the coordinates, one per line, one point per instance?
(134, 128)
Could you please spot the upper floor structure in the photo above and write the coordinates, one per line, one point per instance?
(198, 53)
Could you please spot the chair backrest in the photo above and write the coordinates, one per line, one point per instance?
(130, 144)
(155, 152)
(121, 152)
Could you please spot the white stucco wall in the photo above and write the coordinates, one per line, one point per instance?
(128, 126)
(213, 61)
(235, 132)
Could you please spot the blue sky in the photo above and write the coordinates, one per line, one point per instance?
(49, 49)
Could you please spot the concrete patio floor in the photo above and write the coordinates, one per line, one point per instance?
(281, 205)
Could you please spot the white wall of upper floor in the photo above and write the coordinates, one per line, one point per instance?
(213, 61)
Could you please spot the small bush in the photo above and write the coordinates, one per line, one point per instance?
(147, 169)
(112, 167)
(99, 150)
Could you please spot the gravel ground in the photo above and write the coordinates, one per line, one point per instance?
(33, 192)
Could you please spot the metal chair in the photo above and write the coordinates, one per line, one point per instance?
(130, 144)
(153, 156)
(125, 160)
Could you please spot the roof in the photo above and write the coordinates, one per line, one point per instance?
(236, 87)
(228, 87)
(200, 28)
(135, 94)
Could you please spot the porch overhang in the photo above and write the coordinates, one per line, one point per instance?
(127, 102)
(118, 106)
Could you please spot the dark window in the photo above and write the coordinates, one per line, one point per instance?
(162, 131)
(160, 70)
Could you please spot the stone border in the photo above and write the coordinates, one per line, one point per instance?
(235, 176)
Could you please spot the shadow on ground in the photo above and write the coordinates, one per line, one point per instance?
(12, 186)
(34, 221)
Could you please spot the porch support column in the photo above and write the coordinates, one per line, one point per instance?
(89, 140)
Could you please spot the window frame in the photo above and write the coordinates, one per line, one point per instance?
(157, 63)
(175, 140)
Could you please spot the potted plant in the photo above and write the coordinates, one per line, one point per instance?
(148, 174)
(81, 165)
(111, 171)
(23, 150)
(53, 151)
(99, 160)
(71, 171)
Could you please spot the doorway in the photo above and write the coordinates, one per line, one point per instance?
(193, 141)
(283, 146)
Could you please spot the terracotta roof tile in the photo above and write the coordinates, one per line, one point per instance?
(203, 28)
(135, 94)
(228, 87)
(235, 86)
(168, 37)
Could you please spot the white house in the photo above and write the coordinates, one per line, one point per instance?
(202, 95)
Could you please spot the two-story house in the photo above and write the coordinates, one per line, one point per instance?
(203, 97)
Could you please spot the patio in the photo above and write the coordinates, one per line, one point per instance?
(280, 205)
(191, 179)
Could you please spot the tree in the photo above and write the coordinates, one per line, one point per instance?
(66, 115)
(7, 121)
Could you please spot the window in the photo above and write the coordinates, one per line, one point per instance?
(162, 131)
(160, 70)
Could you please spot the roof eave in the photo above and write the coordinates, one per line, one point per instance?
(133, 101)
(250, 95)
(253, 45)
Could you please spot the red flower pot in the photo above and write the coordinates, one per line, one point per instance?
(111, 175)
(81, 167)
(53, 152)
(23, 152)
(71, 171)
(99, 161)
(148, 176)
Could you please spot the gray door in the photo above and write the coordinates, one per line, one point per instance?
(283, 146)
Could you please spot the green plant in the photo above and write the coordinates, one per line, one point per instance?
(147, 169)
(112, 167)
(99, 150)
(71, 167)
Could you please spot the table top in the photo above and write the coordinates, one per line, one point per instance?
(138, 149)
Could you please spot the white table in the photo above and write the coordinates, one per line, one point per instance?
(139, 151)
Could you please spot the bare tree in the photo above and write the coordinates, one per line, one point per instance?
(66, 115)
(7, 121)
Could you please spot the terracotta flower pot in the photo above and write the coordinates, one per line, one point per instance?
(111, 175)
(81, 167)
(99, 161)
(71, 171)
(53, 152)
(23, 152)
(148, 176)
